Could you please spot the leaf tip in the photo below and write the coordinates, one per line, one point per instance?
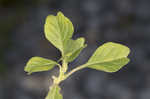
(60, 13)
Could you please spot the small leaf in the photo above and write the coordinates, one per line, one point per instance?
(73, 48)
(110, 57)
(54, 93)
(58, 30)
(38, 64)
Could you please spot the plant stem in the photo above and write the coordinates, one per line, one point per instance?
(62, 71)
(75, 70)
(64, 65)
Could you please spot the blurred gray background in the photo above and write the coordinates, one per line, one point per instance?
(99, 21)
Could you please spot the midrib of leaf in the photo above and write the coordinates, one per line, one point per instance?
(42, 65)
(61, 28)
(103, 56)
(66, 30)
(105, 61)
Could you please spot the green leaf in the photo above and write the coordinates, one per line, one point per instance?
(110, 57)
(73, 48)
(54, 93)
(58, 30)
(38, 64)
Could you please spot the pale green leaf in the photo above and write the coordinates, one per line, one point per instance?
(38, 64)
(110, 57)
(73, 48)
(58, 30)
(54, 93)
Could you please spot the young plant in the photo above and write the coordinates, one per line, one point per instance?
(110, 57)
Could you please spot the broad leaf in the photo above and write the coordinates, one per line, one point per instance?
(110, 57)
(58, 30)
(73, 48)
(38, 64)
(54, 93)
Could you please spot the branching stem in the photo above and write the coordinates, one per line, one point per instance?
(62, 71)
(75, 70)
